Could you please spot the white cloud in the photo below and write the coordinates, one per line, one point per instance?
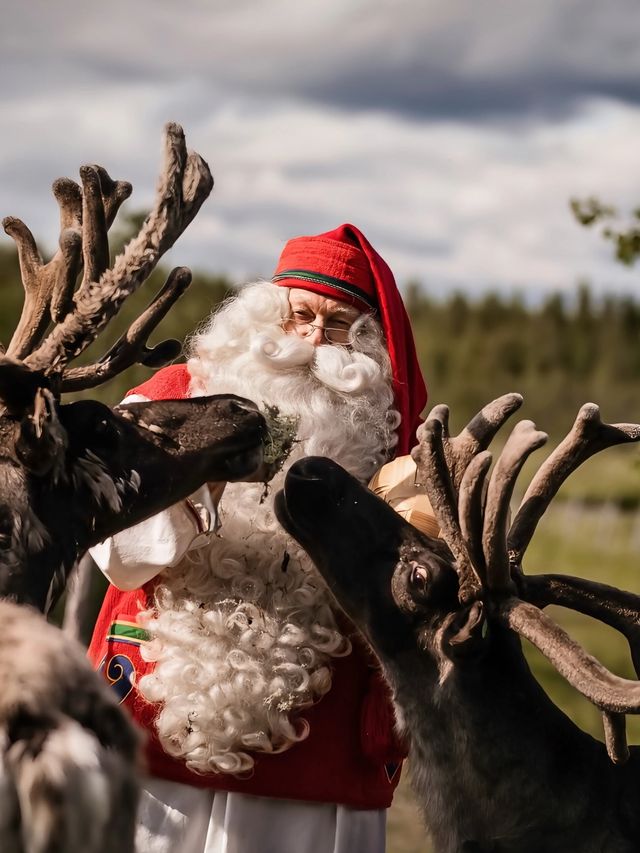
(416, 56)
(448, 203)
(449, 197)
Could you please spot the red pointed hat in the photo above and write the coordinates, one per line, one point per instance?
(342, 264)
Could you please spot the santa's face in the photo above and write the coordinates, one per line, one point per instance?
(318, 319)
(341, 393)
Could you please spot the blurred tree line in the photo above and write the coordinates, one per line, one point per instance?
(559, 353)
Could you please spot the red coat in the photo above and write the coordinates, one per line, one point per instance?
(351, 754)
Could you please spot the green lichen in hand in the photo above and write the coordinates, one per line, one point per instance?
(281, 435)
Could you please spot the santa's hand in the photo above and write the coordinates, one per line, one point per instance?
(202, 507)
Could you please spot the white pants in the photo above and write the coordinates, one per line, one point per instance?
(175, 818)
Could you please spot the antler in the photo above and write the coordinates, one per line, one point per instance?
(459, 450)
(523, 440)
(46, 286)
(588, 435)
(614, 696)
(615, 607)
(434, 474)
(473, 509)
(441, 463)
(79, 317)
(131, 348)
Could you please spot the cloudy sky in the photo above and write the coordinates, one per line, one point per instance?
(452, 132)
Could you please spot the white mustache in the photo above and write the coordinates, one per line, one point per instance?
(344, 370)
(335, 367)
(281, 352)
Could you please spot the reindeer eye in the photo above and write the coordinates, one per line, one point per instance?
(419, 577)
(105, 432)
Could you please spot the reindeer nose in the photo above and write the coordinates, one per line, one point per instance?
(318, 474)
(314, 483)
(310, 468)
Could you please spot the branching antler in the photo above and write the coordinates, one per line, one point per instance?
(132, 347)
(47, 287)
(431, 460)
(473, 509)
(441, 464)
(523, 440)
(589, 435)
(606, 690)
(85, 217)
(615, 607)
(614, 696)
(476, 436)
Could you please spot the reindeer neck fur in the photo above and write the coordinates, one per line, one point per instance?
(45, 524)
(32, 550)
(476, 727)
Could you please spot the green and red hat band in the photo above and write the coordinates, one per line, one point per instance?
(327, 285)
(343, 265)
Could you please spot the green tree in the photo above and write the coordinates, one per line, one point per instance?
(625, 235)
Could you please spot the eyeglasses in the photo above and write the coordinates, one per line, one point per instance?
(332, 334)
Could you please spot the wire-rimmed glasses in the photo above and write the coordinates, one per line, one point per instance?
(332, 334)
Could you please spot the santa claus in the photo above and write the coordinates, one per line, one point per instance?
(269, 726)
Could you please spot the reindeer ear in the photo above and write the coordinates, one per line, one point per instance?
(18, 385)
(464, 634)
(40, 438)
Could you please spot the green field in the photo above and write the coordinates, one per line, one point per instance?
(586, 533)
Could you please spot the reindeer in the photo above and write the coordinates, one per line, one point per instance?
(73, 474)
(496, 765)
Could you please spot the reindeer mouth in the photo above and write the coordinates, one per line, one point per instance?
(244, 461)
(242, 455)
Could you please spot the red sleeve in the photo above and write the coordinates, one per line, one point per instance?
(170, 383)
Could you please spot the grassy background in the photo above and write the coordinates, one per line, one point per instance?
(587, 532)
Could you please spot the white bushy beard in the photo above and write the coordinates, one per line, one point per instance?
(242, 630)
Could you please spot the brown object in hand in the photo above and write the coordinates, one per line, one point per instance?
(396, 484)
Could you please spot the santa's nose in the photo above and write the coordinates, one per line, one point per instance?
(316, 338)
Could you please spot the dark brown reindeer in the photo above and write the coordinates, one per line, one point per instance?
(496, 765)
(73, 474)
